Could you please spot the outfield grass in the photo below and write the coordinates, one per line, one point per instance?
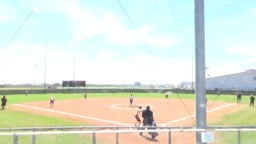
(242, 117)
(245, 116)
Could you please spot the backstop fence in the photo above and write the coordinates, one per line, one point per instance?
(127, 135)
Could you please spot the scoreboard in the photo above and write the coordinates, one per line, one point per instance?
(72, 83)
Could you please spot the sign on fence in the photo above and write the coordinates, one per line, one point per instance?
(207, 137)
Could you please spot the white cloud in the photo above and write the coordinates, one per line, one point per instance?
(18, 63)
(144, 68)
(244, 58)
(162, 42)
(4, 18)
(29, 63)
(105, 54)
(5, 12)
(247, 50)
(141, 36)
(36, 9)
(86, 23)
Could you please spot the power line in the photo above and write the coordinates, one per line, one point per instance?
(133, 25)
(22, 24)
(187, 109)
(126, 14)
(221, 87)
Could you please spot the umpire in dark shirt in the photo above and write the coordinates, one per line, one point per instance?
(147, 116)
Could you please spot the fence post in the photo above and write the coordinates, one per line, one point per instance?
(15, 139)
(239, 137)
(34, 137)
(117, 137)
(93, 138)
(169, 136)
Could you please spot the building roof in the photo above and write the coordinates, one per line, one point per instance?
(237, 81)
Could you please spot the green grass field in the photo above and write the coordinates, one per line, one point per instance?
(12, 119)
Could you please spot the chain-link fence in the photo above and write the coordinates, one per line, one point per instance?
(131, 135)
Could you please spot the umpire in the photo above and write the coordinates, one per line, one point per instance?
(148, 118)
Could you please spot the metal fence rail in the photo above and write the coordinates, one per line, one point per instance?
(124, 135)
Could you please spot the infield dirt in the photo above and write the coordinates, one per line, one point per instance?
(118, 112)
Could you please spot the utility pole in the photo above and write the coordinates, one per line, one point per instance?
(192, 69)
(35, 76)
(74, 71)
(45, 61)
(200, 68)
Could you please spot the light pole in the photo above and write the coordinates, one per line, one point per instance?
(192, 68)
(35, 76)
(74, 69)
(200, 68)
(45, 61)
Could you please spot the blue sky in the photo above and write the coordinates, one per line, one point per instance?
(121, 42)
